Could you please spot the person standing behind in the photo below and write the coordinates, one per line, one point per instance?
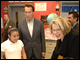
(13, 48)
(8, 22)
(67, 39)
(73, 19)
(32, 34)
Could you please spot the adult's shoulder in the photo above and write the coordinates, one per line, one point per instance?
(74, 32)
(11, 21)
(76, 26)
(38, 21)
(21, 22)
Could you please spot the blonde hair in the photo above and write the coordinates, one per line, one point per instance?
(63, 23)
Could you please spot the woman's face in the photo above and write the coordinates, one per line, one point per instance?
(14, 36)
(57, 31)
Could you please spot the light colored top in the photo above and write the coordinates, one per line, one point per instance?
(30, 26)
(12, 50)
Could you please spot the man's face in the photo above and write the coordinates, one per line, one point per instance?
(29, 13)
(6, 17)
(71, 19)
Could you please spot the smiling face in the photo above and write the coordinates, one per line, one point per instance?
(71, 19)
(14, 36)
(57, 31)
(29, 13)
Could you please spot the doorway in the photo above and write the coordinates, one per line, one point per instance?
(16, 12)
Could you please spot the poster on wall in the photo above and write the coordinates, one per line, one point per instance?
(44, 19)
(1, 22)
(5, 9)
(40, 6)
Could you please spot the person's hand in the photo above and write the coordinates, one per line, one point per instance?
(43, 54)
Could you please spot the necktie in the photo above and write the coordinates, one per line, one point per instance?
(6, 25)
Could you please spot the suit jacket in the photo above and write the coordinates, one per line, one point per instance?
(76, 26)
(69, 47)
(37, 42)
(10, 23)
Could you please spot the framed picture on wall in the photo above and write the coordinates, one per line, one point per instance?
(44, 19)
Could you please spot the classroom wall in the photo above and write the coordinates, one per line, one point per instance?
(51, 7)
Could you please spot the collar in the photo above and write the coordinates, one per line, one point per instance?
(31, 20)
(7, 21)
(74, 24)
(9, 42)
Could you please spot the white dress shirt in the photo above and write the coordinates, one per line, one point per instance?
(30, 26)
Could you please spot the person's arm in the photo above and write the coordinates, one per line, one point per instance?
(24, 56)
(43, 41)
(2, 55)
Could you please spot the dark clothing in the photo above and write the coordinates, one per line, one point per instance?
(37, 42)
(76, 26)
(32, 55)
(5, 31)
(10, 23)
(69, 47)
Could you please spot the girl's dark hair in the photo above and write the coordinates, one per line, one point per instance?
(7, 31)
(10, 30)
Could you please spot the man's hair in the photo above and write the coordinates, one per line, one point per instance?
(29, 5)
(75, 14)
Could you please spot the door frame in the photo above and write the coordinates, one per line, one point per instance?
(10, 5)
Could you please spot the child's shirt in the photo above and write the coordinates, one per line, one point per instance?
(12, 50)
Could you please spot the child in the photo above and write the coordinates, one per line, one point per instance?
(13, 48)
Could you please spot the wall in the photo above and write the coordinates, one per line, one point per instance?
(37, 14)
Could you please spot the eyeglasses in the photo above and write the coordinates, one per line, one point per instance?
(56, 30)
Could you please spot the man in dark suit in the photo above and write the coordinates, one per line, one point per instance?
(32, 34)
(8, 21)
(73, 19)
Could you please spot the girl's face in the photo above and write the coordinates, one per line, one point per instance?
(57, 31)
(14, 36)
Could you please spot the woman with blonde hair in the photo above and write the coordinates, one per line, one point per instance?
(67, 39)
